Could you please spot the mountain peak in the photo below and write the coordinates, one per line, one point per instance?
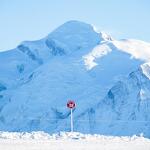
(76, 35)
(75, 26)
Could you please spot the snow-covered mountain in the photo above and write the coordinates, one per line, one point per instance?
(109, 80)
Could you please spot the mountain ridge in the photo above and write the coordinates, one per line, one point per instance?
(75, 62)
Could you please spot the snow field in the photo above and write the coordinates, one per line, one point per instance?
(67, 141)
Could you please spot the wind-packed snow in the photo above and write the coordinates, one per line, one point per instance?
(108, 79)
(98, 51)
(138, 49)
(66, 141)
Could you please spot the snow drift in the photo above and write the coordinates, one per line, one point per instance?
(65, 141)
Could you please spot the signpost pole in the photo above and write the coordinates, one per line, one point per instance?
(71, 105)
(71, 120)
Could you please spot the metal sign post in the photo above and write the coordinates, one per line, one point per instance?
(71, 123)
(71, 104)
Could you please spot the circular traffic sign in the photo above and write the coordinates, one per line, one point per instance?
(71, 104)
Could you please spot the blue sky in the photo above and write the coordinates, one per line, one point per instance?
(33, 19)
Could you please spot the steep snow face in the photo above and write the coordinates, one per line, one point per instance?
(123, 111)
(106, 61)
(74, 62)
(135, 48)
(13, 65)
(75, 35)
(138, 49)
(98, 52)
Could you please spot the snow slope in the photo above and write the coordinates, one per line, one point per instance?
(108, 79)
(125, 106)
(64, 141)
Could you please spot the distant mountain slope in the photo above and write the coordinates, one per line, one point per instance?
(108, 79)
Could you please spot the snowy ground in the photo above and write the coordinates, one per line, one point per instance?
(67, 141)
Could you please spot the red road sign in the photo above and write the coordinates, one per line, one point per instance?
(71, 104)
